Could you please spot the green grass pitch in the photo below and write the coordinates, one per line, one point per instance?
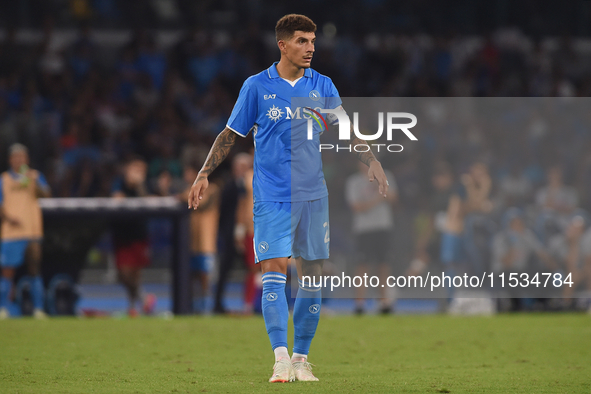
(527, 353)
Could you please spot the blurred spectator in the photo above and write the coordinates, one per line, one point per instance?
(152, 62)
(166, 160)
(478, 185)
(130, 237)
(166, 185)
(373, 222)
(452, 229)
(22, 227)
(572, 252)
(430, 223)
(516, 248)
(515, 189)
(82, 58)
(245, 244)
(478, 228)
(204, 231)
(556, 196)
(232, 192)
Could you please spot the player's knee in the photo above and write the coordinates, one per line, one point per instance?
(278, 265)
(312, 268)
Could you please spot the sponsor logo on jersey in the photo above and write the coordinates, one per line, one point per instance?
(274, 113)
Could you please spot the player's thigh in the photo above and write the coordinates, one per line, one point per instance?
(272, 230)
(312, 234)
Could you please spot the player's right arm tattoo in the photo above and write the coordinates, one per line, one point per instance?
(220, 149)
(365, 157)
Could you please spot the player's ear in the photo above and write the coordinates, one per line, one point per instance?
(281, 45)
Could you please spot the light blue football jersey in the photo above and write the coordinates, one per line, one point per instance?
(287, 166)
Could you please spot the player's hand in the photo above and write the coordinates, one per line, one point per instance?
(197, 190)
(377, 172)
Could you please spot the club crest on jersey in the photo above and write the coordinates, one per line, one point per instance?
(274, 113)
(269, 96)
(314, 95)
(263, 247)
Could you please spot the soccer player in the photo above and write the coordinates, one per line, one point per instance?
(290, 209)
(22, 226)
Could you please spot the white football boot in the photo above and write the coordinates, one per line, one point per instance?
(39, 314)
(303, 371)
(282, 371)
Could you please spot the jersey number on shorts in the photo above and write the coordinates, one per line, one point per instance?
(327, 234)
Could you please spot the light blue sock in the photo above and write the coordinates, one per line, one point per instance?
(306, 314)
(274, 305)
(37, 292)
(5, 286)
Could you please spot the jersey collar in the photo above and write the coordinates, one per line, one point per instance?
(272, 72)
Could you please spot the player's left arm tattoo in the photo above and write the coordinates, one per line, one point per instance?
(364, 157)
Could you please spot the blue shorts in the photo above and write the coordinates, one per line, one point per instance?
(12, 253)
(298, 229)
(202, 262)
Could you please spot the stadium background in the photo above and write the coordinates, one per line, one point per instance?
(87, 83)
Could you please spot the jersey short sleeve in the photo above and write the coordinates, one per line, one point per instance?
(333, 99)
(244, 114)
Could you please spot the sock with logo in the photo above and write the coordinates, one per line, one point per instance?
(5, 287)
(306, 314)
(275, 311)
(281, 353)
(37, 292)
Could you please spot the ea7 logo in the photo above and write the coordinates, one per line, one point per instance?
(270, 96)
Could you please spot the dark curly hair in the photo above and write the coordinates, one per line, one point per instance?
(289, 24)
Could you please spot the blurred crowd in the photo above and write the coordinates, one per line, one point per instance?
(84, 106)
